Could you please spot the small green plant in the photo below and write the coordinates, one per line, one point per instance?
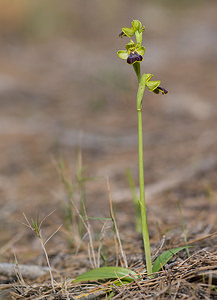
(36, 227)
(134, 55)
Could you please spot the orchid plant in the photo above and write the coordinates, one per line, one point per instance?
(134, 56)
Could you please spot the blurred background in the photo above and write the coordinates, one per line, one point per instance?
(62, 87)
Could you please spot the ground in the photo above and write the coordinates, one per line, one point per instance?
(68, 97)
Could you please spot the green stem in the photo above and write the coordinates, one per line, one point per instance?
(144, 222)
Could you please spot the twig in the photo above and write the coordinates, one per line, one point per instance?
(53, 234)
(158, 250)
(47, 259)
(19, 275)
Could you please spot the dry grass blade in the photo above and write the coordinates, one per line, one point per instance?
(115, 225)
(88, 228)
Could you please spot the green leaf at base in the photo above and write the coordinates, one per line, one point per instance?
(106, 273)
(162, 259)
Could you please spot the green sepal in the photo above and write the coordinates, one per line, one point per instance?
(141, 50)
(123, 54)
(152, 85)
(128, 31)
(148, 76)
(136, 25)
(131, 46)
(142, 29)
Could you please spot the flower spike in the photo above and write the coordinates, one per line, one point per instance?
(134, 55)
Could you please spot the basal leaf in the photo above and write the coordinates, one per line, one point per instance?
(106, 273)
(164, 258)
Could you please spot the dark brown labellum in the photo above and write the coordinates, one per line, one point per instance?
(163, 90)
(160, 89)
(133, 57)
